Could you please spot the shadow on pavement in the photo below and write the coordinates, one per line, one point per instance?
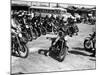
(44, 52)
(78, 48)
(78, 53)
(92, 59)
(19, 73)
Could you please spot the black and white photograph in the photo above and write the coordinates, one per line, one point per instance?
(52, 37)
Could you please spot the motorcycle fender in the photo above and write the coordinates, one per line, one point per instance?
(87, 38)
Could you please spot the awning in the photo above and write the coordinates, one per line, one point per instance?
(19, 7)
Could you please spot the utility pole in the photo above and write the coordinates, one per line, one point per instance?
(57, 5)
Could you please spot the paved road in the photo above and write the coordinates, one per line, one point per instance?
(77, 59)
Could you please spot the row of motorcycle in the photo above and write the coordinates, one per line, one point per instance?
(87, 20)
(28, 30)
(21, 35)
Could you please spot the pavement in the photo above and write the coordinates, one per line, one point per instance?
(78, 58)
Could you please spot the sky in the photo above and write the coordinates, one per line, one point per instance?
(86, 2)
(77, 3)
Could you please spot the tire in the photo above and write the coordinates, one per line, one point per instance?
(39, 32)
(34, 36)
(43, 30)
(87, 45)
(25, 53)
(62, 55)
(35, 33)
(14, 47)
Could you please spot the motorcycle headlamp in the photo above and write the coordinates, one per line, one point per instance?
(20, 35)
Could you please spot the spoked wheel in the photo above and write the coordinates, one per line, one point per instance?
(23, 53)
(87, 45)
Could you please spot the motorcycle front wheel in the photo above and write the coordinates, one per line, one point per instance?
(23, 52)
(62, 55)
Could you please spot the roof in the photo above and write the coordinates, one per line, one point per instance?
(48, 8)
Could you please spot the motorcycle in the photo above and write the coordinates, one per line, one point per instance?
(18, 46)
(90, 43)
(76, 29)
(42, 29)
(71, 30)
(24, 33)
(26, 29)
(48, 27)
(55, 29)
(29, 32)
(92, 21)
(37, 28)
(33, 32)
(59, 50)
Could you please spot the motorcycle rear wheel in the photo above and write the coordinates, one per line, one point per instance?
(87, 45)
